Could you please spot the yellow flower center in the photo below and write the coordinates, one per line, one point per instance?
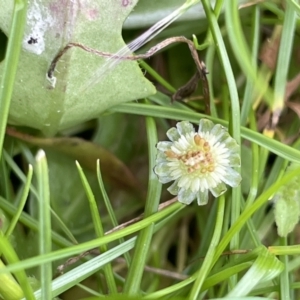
(199, 158)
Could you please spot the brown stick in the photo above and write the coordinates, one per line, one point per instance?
(95, 251)
(190, 86)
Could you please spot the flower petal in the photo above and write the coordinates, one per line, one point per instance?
(164, 146)
(218, 190)
(184, 181)
(195, 184)
(231, 143)
(234, 160)
(233, 178)
(165, 179)
(162, 169)
(202, 197)
(174, 188)
(160, 157)
(185, 128)
(173, 134)
(186, 196)
(218, 131)
(205, 125)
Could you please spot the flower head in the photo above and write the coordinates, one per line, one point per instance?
(198, 162)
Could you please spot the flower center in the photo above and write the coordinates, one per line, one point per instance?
(197, 158)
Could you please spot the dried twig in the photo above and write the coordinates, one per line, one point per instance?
(162, 272)
(95, 251)
(184, 91)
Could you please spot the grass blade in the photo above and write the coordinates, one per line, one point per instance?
(98, 228)
(11, 64)
(45, 242)
(136, 270)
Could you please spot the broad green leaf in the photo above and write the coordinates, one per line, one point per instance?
(50, 26)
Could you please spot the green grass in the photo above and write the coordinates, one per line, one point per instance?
(92, 186)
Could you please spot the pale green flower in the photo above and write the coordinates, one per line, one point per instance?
(198, 162)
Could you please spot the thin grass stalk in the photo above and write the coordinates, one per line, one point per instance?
(11, 63)
(21, 205)
(16, 290)
(5, 182)
(283, 60)
(31, 223)
(157, 77)
(70, 279)
(73, 250)
(219, 277)
(109, 208)
(284, 276)
(248, 95)
(208, 261)
(255, 165)
(294, 5)
(210, 57)
(272, 145)
(108, 271)
(9, 289)
(34, 191)
(248, 212)
(136, 270)
(45, 241)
